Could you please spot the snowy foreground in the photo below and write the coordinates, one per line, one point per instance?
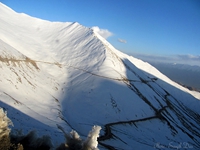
(63, 75)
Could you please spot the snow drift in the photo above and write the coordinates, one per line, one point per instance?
(56, 74)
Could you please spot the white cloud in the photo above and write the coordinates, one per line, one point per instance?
(103, 32)
(189, 57)
(122, 41)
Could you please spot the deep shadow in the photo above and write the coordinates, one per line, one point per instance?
(33, 135)
(139, 102)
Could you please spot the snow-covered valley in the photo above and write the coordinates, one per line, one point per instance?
(64, 74)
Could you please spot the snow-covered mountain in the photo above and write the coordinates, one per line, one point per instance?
(64, 74)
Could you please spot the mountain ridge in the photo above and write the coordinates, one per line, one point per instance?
(66, 74)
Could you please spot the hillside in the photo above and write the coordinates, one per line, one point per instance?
(64, 74)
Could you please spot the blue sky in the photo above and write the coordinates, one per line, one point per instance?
(150, 27)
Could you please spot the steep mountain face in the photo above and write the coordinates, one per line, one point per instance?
(64, 74)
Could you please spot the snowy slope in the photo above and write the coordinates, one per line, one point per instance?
(65, 74)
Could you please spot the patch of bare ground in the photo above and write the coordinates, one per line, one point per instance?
(17, 62)
(58, 64)
(32, 62)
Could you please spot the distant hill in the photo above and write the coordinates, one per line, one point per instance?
(186, 75)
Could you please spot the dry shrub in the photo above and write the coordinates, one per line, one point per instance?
(4, 130)
(74, 142)
(32, 142)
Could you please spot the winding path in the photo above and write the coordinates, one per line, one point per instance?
(108, 131)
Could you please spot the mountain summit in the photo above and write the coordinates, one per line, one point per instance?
(64, 75)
